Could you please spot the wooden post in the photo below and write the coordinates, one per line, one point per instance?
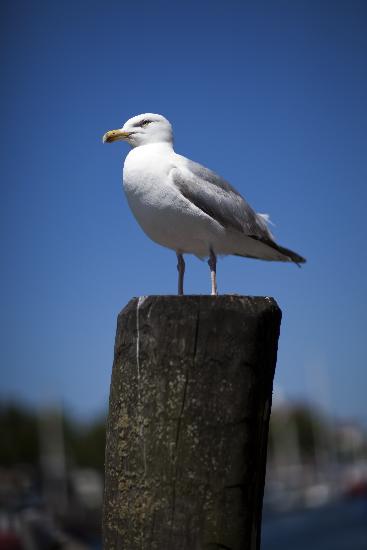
(188, 422)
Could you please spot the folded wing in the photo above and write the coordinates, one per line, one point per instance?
(219, 200)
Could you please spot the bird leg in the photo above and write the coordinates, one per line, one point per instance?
(181, 272)
(212, 262)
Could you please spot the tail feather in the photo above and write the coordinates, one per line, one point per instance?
(294, 257)
(288, 254)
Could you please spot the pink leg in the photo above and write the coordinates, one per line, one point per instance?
(181, 272)
(212, 262)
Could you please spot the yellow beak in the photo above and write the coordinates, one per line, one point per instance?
(115, 135)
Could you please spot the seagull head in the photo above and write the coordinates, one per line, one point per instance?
(141, 130)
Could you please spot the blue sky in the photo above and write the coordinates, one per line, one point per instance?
(272, 95)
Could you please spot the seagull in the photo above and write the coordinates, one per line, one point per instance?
(186, 207)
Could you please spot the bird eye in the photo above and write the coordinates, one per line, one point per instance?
(145, 123)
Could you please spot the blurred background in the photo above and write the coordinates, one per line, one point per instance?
(271, 95)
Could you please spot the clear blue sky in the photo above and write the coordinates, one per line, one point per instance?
(272, 95)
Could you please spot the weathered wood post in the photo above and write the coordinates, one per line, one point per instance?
(188, 422)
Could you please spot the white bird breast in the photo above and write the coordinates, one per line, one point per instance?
(164, 214)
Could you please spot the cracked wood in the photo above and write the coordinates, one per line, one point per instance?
(190, 401)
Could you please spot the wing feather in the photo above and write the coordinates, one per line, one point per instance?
(218, 199)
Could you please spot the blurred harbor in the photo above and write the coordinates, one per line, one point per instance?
(337, 525)
(316, 485)
(51, 481)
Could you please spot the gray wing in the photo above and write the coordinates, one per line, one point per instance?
(218, 199)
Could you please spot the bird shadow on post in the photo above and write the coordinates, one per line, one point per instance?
(188, 422)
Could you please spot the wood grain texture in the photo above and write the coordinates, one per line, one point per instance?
(190, 402)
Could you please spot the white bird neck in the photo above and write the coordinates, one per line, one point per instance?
(155, 147)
